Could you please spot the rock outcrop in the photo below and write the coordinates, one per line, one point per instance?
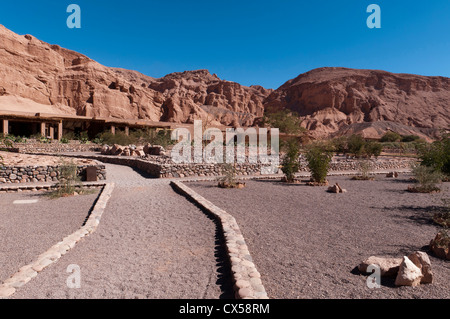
(346, 101)
(38, 77)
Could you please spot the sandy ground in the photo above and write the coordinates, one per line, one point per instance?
(18, 159)
(306, 242)
(151, 243)
(28, 230)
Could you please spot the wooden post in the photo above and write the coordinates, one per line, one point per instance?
(127, 130)
(60, 130)
(113, 130)
(51, 132)
(5, 127)
(43, 126)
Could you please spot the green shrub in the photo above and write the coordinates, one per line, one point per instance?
(229, 178)
(372, 149)
(64, 140)
(68, 179)
(290, 164)
(287, 122)
(319, 157)
(391, 137)
(409, 138)
(355, 145)
(437, 155)
(427, 179)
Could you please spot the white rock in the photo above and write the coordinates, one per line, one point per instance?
(408, 274)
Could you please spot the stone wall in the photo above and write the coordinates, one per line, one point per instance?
(55, 147)
(163, 167)
(341, 164)
(30, 174)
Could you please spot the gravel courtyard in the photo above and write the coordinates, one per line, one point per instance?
(151, 243)
(306, 242)
(29, 229)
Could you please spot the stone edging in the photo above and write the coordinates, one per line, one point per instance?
(247, 280)
(28, 272)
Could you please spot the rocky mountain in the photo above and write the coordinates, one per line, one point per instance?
(341, 100)
(38, 77)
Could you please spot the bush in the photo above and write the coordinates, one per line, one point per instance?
(372, 149)
(409, 138)
(64, 140)
(355, 145)
(68, 179)
(286, 121)
(319, 157)
(365, 167)
(437, 155)
(391, 137)
(229, 178)
(427, 179)
(290, 164)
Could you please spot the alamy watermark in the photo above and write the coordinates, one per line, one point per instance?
(74, 280)
(374, 20)
(74, 20)
(237, 150)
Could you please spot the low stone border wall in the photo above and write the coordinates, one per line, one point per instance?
(34, 187)
(28, 272)
(34, 174)
(55, 147)
(247, 279)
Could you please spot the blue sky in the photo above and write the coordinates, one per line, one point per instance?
(247, 41)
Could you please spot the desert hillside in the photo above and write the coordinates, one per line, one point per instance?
(38, 77)
(333, 100)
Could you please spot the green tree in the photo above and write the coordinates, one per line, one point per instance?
(286, 121)
(290, 164)
(319, 157)
(390, 137)
(437, 155)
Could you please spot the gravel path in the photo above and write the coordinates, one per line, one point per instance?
(306, 242)
(27, 230)
(151, 243)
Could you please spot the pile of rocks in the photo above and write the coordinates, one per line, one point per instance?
(336, 188)
(133, 150)
(392, 175)
(411, 270)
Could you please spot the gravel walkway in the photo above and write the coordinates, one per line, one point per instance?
(27, 230)
(306, 242)
(151, 243)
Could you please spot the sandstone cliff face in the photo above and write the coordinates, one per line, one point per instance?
(331, 99)
(39, 77)
(71, 83)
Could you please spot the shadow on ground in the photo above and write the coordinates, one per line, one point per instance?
(224, 273)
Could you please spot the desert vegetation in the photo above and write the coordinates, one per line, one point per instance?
(290, 163)
(69, 182)
(318, 156)
(365, 168)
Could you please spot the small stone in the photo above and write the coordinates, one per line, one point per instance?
(242, 284)
(388, 266)
(6, 291)
(244, 292)
(255, 281)
(422, 261)
(408, 274)
(255, 274)
(247, 263)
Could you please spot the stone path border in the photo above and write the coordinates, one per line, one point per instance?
(12, 188)
(247, 279)
(28, 272)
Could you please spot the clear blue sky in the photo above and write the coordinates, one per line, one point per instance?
(247, 41)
